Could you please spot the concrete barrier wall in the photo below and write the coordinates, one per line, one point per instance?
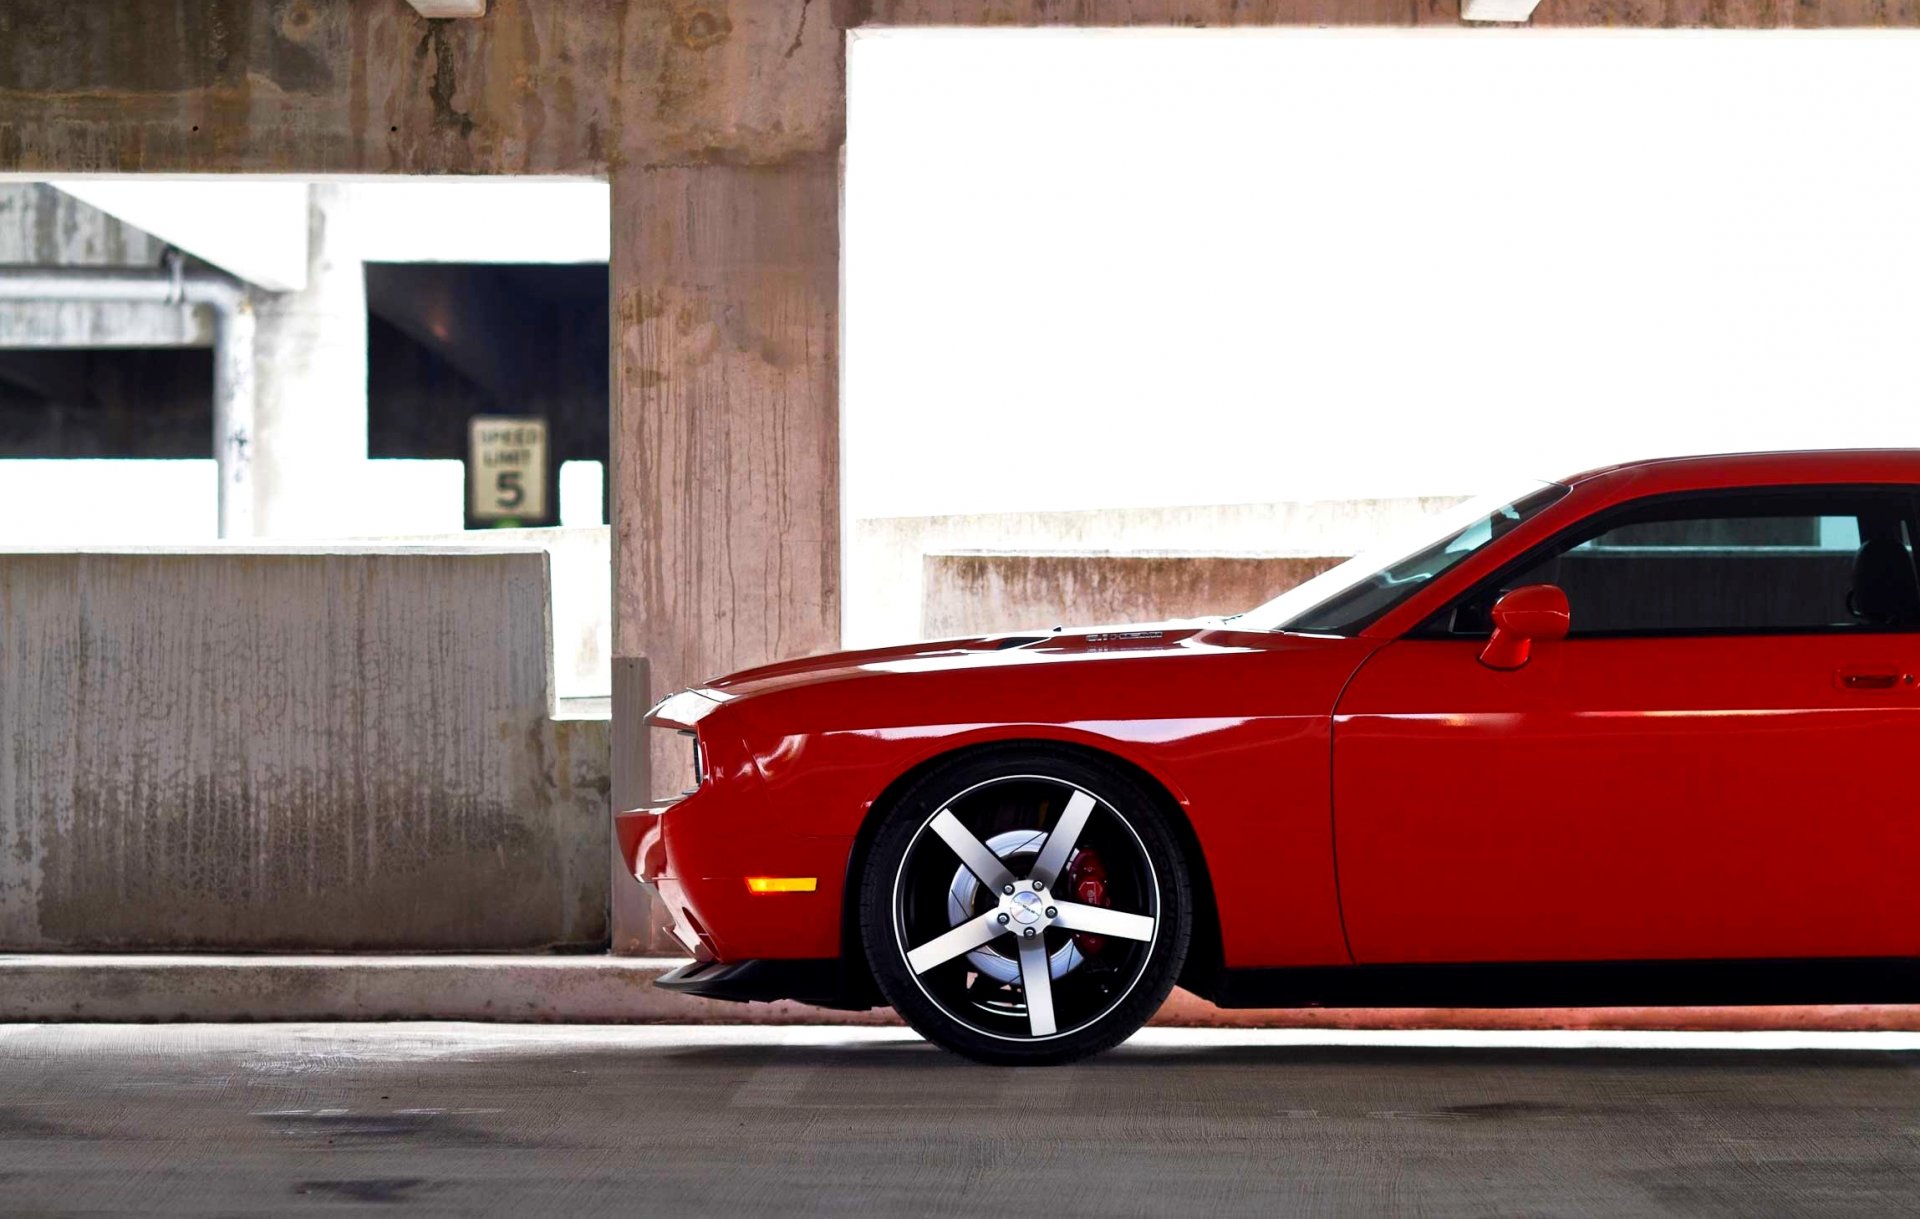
(283, 749)
(886, 597)
(969, 594)
(580, 566)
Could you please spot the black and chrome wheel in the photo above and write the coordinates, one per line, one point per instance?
(1026, 906)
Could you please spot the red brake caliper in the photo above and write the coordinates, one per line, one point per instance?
(1087, 881)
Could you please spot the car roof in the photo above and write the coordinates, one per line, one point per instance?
(1783, 468)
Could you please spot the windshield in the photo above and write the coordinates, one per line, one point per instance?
(1345, 599)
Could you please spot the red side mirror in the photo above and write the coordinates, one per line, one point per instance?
(1536, 611)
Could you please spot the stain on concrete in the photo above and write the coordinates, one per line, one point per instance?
(296, 20)
(1500, 1111)
(442, 84)
(373, 1190)
(799, 29)
(1800, 1183)
(981, 592)
(700, 25)
(18, 1124)
(346, 1130)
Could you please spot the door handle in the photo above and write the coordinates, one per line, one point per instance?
(1871, 678)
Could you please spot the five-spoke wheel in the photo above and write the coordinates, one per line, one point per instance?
(1026, 906)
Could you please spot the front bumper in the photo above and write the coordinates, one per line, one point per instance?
(696, 856)
(698, 851)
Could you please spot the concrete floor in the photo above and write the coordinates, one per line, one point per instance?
(731, 1121)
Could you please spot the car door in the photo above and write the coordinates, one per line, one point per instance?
(1717, 762)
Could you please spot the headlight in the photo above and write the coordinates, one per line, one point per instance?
(680, 765)
(679, 759)
(699, 763)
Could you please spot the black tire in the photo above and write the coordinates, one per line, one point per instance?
(1100, 967)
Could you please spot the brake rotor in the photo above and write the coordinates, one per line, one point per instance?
(962, 904)
(1086, 880)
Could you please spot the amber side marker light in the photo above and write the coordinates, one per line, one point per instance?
(782, 884)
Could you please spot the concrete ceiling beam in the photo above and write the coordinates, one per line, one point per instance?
(255, 230)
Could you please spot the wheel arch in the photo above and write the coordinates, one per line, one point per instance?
(1205, 955)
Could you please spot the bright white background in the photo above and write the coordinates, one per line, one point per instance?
(1125, 269)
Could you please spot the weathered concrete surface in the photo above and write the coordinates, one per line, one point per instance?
(886, 559)
(726, 419)
(971, 594)
(580, 564)
(276, 749)
(305, 86)
(463, 1119)
(43, 226)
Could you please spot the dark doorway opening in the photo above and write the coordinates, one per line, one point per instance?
(447, 342)
(106, 402)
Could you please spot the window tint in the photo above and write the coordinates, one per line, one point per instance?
(1732, 563)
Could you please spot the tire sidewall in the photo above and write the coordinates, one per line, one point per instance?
(903, 820)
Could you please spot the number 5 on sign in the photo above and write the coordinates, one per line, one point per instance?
(507, 460)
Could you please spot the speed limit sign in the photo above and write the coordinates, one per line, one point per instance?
(507, 468)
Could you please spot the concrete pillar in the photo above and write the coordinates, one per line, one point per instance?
(726, 415)
(726, 452)
(726, 334)
(309, 443)
(630, 915)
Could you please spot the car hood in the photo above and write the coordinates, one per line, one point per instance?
(972, 652)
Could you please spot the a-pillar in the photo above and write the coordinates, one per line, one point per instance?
(309, 447)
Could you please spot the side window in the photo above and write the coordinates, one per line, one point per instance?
(1746, 562)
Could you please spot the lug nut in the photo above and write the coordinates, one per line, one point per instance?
(1039, 885)
(1029, 933)
(1007, 889)
(1003, 920)
(1052, 913)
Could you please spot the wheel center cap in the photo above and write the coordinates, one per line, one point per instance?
(1026, 908)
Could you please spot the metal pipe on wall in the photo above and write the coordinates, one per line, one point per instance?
(233, 373)
(233, 416)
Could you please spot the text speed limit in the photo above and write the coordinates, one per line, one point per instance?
(507, 463)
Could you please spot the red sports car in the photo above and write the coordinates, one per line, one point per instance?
(1650, 734)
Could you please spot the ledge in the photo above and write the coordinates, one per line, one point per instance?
(585, 989)
(597, 989)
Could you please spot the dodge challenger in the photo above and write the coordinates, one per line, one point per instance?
(1643, 735)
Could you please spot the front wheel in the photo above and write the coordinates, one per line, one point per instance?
(1026, 906)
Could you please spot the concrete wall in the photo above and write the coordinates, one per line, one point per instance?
(291, 749)
(890, 600)
(970, 594)
(581, 565)
(42, 226)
